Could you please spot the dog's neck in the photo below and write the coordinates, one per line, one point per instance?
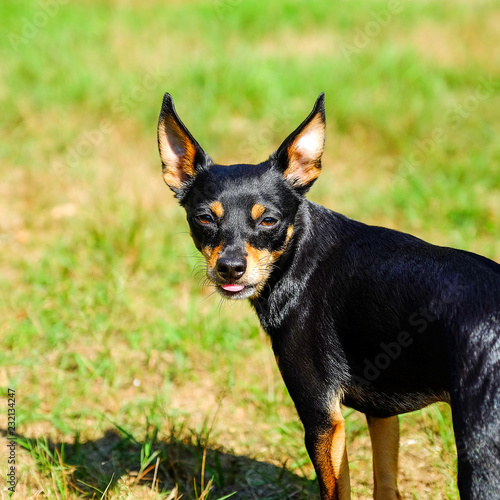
(292, 271)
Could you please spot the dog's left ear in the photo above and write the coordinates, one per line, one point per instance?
(299, 157)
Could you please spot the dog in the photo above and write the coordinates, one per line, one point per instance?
(358, 315)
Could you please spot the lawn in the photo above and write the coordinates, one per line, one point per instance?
(131, 380)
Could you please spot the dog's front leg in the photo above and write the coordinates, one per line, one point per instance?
(384, 434)
(325, 442)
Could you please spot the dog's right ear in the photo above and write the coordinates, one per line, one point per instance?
(181, 156)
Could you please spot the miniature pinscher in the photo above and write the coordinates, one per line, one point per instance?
(358, 315)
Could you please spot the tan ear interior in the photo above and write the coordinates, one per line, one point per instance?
(304, 154)
(177, 153)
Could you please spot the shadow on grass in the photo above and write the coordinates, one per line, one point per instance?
(90, 468)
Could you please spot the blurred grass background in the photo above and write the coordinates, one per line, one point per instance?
(130, 382)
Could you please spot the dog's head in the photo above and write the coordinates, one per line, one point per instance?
(241, 216)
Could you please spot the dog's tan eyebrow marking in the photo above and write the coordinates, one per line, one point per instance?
(257, 211)
(217, 209)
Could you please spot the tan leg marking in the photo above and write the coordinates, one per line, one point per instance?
(331, 460)
(384, 434)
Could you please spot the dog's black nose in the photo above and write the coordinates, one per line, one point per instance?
(231, 268)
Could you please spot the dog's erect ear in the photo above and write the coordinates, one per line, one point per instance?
(299, 157)
(181, 156)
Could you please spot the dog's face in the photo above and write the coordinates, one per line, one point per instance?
(241, 216)
(241, 227)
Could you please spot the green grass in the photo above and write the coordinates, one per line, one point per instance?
(123, 366)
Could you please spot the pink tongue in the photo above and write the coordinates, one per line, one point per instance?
(233, 288)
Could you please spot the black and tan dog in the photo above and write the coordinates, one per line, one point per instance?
(358, 315)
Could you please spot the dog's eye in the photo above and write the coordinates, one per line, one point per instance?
(269, 221)
(205, 219)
